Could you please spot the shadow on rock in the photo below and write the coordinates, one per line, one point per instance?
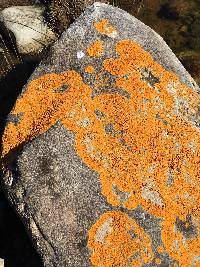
(15, 247)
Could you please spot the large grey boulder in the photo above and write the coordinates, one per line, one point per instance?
(100, 153)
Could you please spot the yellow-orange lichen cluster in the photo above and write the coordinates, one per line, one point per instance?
(186, 251)
(42, 105)
(143, 147)
(104, 27)
(95, 49)
(106, 242)
(89, 69)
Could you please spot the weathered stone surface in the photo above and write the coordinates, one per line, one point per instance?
(101, 151)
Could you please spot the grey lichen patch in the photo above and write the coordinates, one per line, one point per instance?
(88, 143)
(159, 104)
(123, 93)
(104, 230)
(99, 114)
(133, 234)
(188, 178)
(84, 122)
(122, 196)
(107, 89)
(149, 193)
(133, 257)
(192, 146)
(178, 146)
(195, 260)
(148, 77)
(197, 123)
(187, 228)
(95, 154)
(196, 117)
(182, 106)
(158, 117)
(62, 89)
(14, 118)
(123, 142)
(170, 177)
(107, 85)
(152, 167)
(109, 129)
(172, 88)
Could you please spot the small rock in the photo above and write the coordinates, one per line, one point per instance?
(29, 28)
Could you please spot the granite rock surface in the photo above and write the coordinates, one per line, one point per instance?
(101, 151)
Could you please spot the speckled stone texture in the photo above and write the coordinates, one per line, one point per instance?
(56, 194)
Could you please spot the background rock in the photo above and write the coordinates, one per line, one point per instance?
(56, 194)
(178, 22)
(61, 13)
(28, 27)
(8, 3)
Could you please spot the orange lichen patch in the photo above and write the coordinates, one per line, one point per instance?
(89, 69)
(96, 49)
(144, 147)
(185, 250)
(158, 261)
(156, 133)
(116, 240)
(160, 249)
(42, 106)
(103, 26)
